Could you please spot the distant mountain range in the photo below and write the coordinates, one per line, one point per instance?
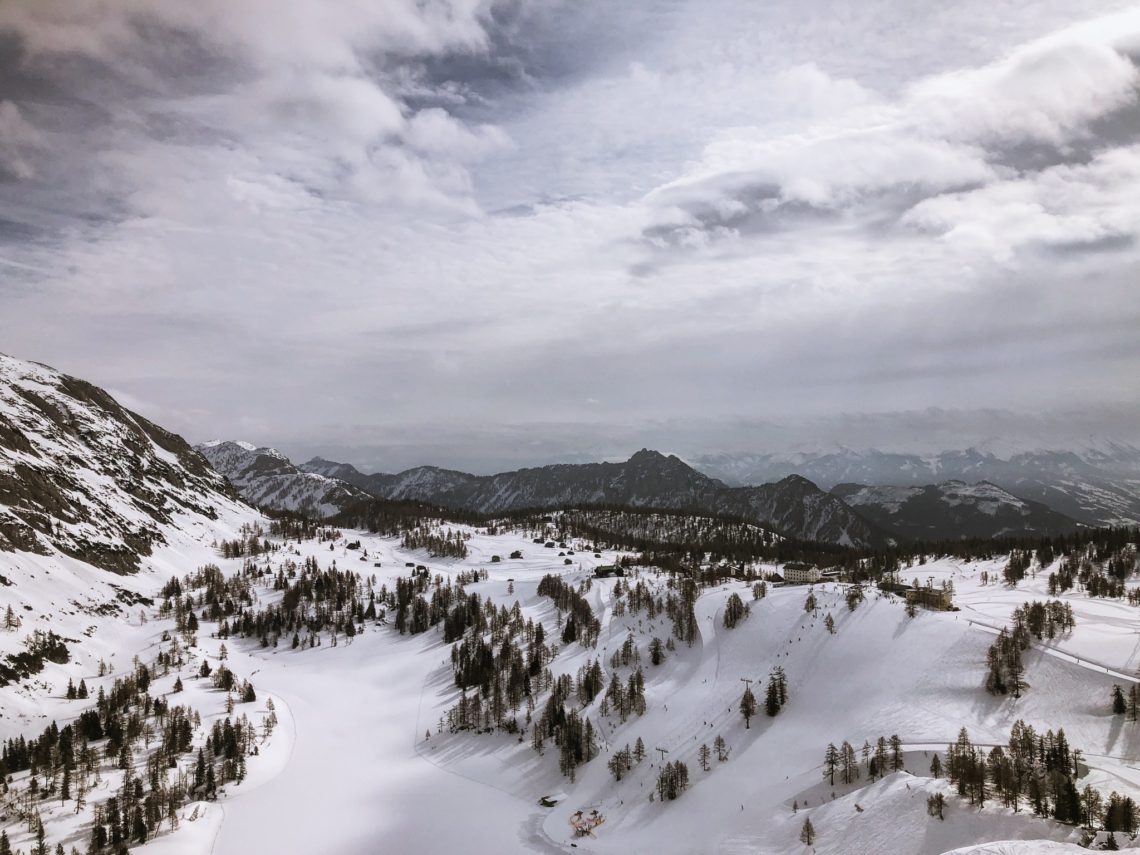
(793, 506)
(952, 510)
(851, 514)
(1097, 486)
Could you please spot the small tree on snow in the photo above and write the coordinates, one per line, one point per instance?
(748, 706)
(807, 833)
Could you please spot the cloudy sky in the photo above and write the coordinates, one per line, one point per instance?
(482, 234)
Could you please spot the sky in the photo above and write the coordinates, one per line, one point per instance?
(486, 234)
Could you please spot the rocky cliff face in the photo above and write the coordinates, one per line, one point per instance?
(81, 475)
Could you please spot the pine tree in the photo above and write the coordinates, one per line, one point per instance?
(848, 763)
(830, 763)
(807, 833)
(829, 622)
(936, 766)
(1119, 705)
(721, 749)
(703, 756)
(896, 753)
(772, 698)
(748, 706)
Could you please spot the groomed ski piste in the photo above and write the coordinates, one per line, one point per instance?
(360, 760)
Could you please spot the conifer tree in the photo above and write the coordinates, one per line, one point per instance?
(830, 763)
(748, 706)
(807, 833)
(1119, 705)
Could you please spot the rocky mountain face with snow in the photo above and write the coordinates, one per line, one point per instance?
(1096, 486)
(794, 506)
(84, 477)
(953, 510)
(268, 479)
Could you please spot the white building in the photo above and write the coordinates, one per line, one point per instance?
(797, 572)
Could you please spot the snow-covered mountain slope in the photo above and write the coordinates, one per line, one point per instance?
(1097, 485)
(82, 476)
(266, 478)
(99, 509)
(794, 506)
(952, 510)
(880, 673)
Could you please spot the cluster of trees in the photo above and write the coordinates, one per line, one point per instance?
(1004, 669)
(719, 746)
(625, 699)
(251, 544)
(775, 696)
(672, 780)
(1102, 573)
(936, 805)
(1020, 560)
(146, 740)
(734, 611)
(290, 525)
(1126, 705)
(39, 647)
(507, 669)
(672, 539)
(438, 543)
(1040, 768)
(581, 623)
(884, 757)
(679, 603)
(571, 733)
(624, 759)
(391, 518)
(1045, 620)
(1098, 544)
(313, 602)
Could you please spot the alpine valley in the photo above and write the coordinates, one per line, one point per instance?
(212, 651)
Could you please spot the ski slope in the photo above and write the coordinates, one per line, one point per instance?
(358, 763)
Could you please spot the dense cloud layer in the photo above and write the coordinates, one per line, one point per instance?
(488, 233)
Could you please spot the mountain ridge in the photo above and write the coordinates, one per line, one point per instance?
(953, 509)
(1097, 486)
(83, 476)
(793, 507)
